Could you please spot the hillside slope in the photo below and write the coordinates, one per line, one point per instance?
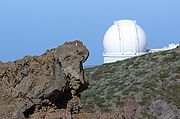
(143, 87)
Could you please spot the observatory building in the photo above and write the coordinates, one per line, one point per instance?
(126, 39)
(123, 40)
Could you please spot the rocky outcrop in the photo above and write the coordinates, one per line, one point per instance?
(130, 110)
(163, 110)
(45, 86)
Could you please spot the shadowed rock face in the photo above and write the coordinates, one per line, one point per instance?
(45, 86)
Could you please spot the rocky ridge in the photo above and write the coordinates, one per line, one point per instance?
(46, 86)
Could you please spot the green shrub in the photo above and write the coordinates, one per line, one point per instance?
(173, 95)
(163, 75)
(130, 62)
(163, 53)
(178, 69)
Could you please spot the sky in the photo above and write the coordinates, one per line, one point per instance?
(30, 27)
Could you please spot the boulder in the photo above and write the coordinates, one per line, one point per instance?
(36, 85)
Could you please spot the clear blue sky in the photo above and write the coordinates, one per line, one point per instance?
(30, 27)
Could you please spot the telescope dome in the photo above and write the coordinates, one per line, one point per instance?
(124, 39)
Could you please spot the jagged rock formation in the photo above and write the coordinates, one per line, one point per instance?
(45, 86)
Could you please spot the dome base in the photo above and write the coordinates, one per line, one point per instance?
(108, 58)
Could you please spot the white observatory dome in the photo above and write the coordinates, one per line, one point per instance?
(124, 39)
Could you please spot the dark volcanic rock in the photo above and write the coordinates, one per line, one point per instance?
(44, 86)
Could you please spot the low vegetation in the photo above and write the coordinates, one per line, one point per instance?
(151, 77)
